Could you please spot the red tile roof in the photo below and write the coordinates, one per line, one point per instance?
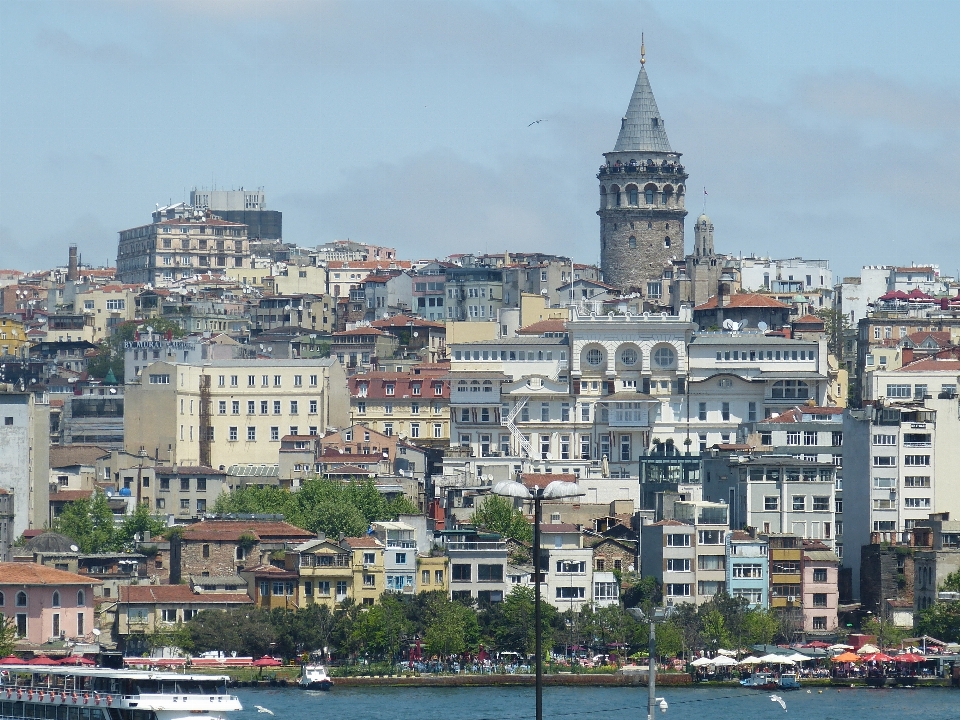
(808, 320)
(360, 331)
(70, 495)
(553, 325)
(231, 530)
(558, 528)
(931, 365)
(19, 573)
(743, 300)
(363, 542)
(184, 594)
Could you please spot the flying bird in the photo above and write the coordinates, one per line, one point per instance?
(535, 122)
(262, 709)
(778, 699)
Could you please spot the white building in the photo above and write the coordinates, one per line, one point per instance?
(792, 276)
(567, 567)
(25, 455)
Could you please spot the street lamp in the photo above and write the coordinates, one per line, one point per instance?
(553, 491)
(658, 614)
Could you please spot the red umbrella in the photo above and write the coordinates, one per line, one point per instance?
(817, 644)
(43, 660)
(267, 661)
(877, 657)
(11, 660)
(77, 660)
(909, 658)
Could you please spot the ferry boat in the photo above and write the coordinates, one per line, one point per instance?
(90, 693)
(314, 677)
(767, 681)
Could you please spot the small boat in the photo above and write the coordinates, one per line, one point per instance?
(314, 677)
(761, 681)
(789, 681)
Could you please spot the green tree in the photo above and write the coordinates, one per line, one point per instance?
(382, 628)
(139, 523)
(888, 634)
(714, 630)
(90, 524)
(941, 620)
(642, 592)
(760, 626)
(451, 628)
(516, 632)
(497, 514)
(8, 636)
(670, 640)
(835, 325)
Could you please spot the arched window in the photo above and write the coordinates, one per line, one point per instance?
(2, 599)
(629, 357)
(81, 598)
(633, 241)
(56, 599)
(21, 599)
(615, 191)
(666, 241)
(667, 193)
(664, 356)
(649, 193)
(633, 195)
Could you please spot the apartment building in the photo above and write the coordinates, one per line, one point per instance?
(400, 554)
(326, 571)
(938, 555)
(774, 493)
(748, 568)
(687, 554)
(108, 306)
(787, 278)
(226, 412)
(567, 580)
(25, 459)
(359, 350)
(820, 589)
(477, 565)
(899, 457)
(474, 294)
(179, 244)
(786, 579)
(412, 404)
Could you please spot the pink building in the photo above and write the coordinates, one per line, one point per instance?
(47, 604)
(821, 595)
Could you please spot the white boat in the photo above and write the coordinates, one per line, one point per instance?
(91, 693)
(314, 677)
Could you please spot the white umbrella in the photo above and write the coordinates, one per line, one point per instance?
(751, 660)
(840, 646)
(728, 653)
(724, 661)
(868, 649)
(701, 662)
(777, 659)
(798, 657)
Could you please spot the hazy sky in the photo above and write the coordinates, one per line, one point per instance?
(821, 129)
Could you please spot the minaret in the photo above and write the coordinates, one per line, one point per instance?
(642, 189)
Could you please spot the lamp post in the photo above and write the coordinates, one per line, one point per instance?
(553, 491)
(658, 614)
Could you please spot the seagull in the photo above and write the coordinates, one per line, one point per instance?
(778, 699)
(262, 709)
(535, 122)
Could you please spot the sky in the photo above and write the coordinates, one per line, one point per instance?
(826, 130)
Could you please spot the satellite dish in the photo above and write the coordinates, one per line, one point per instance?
(762, 326)
(74, 548)
(729, 324)
(95, 632)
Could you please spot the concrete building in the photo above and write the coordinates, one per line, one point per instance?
(774, 493)
(748, 568)
(787, 278)
(477, 565)
(7, 538)
(180, 242)
(25, 454)
(567, 568)
(687, 553)
(248, 207)
(46, 604)
(474, 294)
(786, 579)
(642, 193)
(413, 404)
(400, 555)
(226, 412)
(819, 587)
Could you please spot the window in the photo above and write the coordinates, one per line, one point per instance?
(460, 572)
(710, 537)
(819, 622)
(678, 540)
(702, 414)
(793, 437)
(168, 615)
(570, 593)
(232, 433)
(629, 357)
(916, 481)
(819, 599)
(490, 573)
(748, 571)
(154, 380)
(884, 439)
(799, 503)
(916, 502)
(235, 407)
(916, 460)
(820, 575)
(678, 589)
(664, 357)
(790, 389)
(56, 602)
(809, 437)
(678, 564)
(725, 411)
(771, 502)
(899, 391)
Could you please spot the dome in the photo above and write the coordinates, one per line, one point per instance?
(50, 542)
(703, 219)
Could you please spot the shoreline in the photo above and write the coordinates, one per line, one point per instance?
(675, 680)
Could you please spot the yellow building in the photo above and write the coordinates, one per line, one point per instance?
(326, 572)
(412, 404)
(368, 569)
(13, 338)
(297, 280)
(109, 306)
(228, 412)
(432, 573)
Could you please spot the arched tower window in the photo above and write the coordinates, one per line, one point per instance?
(650, 194)
(633, 241)
(633, 195)
(21, 599)
(615, 191)
(666, 241)
(667, 194)
(56, 599)
(81, 598)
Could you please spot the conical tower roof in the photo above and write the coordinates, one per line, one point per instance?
(642, 127)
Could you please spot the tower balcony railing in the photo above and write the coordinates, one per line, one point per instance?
(638, 168)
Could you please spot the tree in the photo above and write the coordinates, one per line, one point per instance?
(516, 632)
(497, 514)
(89, 523)
(452, 627)
(382, 628)
(888, 634)
(760, 626)
(835, 325)
(8, 636)
(941, 620)
(139, 523)
(714, 630)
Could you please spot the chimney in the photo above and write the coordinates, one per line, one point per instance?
(906, 356)
(73, 272)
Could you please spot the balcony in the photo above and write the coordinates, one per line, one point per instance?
(476, 546)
